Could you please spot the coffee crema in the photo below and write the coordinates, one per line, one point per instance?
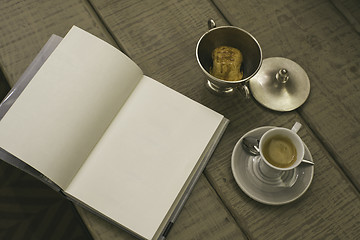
(279, 151)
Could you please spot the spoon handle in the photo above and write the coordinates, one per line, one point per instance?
(307, 161)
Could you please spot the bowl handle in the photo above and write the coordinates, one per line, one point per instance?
(211, 24)
(243, 89)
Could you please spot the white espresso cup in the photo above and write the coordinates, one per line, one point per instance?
(281, 148)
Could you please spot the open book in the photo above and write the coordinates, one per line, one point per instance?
(84, 119)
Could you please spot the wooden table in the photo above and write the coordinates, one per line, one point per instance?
(160, 36)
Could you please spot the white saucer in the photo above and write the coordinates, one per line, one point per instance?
(262, 191)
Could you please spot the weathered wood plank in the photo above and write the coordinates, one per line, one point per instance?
(330, 207)
(320, 39)
(204, 217)
(350, 9)
(29, 209)
(25, 27)
(4, 86)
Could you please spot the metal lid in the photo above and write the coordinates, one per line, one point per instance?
(280, 84)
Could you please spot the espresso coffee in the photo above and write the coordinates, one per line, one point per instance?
(279, 151)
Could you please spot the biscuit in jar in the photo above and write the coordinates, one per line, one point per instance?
(227, 63)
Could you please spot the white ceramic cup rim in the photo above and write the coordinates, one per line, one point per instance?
(295, 139)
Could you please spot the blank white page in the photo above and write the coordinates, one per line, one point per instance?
(67, 106)
(138, 168)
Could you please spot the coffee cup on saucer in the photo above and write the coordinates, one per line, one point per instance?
(283, 187)
(281, 149)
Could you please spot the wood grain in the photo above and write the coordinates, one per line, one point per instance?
(321, 40)
(4, 86)
(350, 10)
(329, 209)
(27, 25)
(30, 209)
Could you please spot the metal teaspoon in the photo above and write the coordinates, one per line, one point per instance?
(251, 145)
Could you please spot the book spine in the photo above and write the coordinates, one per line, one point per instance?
(205, 159)
(29, 73)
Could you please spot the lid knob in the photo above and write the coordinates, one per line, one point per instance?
(282, 76)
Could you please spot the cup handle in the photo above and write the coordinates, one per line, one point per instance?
(296, 127)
